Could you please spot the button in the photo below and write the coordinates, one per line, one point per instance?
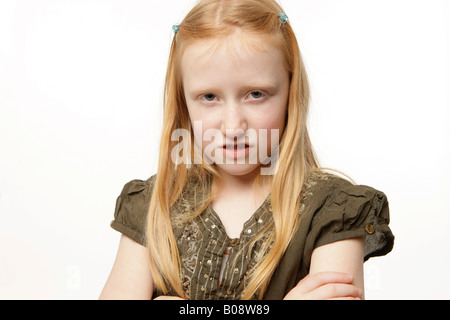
(213, 226)
(370, 228)
(260, 220)
(234, 242)
(236, 270)
(249, 231)
(209, 262)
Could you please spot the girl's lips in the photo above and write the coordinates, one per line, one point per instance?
(236, 151)
(235, 146)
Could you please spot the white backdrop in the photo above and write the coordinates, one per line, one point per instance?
(80, 114)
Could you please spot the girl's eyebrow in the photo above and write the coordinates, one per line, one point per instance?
(268, 87)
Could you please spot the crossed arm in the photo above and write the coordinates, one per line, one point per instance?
(336, 272)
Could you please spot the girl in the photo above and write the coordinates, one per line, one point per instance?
(225, 227)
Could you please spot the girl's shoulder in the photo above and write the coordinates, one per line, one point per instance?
(337, 209)
(131, 208)
(325, 185)
(333, 209)
(139, 186)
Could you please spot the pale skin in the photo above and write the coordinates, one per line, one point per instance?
(227, 89)
(245, 95)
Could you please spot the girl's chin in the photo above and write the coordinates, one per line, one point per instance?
(238, 169)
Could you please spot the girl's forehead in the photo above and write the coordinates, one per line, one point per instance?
(232, 63)
(236, 45)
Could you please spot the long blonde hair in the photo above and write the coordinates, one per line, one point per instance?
(207, 20)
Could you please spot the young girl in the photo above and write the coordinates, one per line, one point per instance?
(216, 222)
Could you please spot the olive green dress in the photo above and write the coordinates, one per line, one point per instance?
(332, 209)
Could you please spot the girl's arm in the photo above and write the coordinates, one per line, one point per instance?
(336, 272)
(130, 277)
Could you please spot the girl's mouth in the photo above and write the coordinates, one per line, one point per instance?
(236, 150)
(235, 146)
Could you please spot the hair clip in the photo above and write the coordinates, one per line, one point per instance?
(175, 28)
(283, 17)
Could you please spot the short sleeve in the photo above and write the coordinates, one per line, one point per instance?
(131, 209)
(352, 211)
(333, 209)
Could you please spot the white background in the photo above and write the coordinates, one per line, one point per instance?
(80, 114)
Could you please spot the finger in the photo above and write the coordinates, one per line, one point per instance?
(335, 291)
(346, 298)
(314, 281)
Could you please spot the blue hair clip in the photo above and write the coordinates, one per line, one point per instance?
(175, 28)
(283, 17)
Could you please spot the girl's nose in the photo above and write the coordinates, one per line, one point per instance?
(234, 122)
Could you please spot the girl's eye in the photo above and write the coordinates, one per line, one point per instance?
(209, 97)
(256, 95)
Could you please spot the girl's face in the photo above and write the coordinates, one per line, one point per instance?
(234, 87)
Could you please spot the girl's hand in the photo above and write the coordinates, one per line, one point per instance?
(168, 298)
(325, 286)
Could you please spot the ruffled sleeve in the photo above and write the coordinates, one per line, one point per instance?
(333, 210)
(351, 211)
(131, 209)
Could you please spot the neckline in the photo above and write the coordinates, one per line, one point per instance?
(254, 219)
